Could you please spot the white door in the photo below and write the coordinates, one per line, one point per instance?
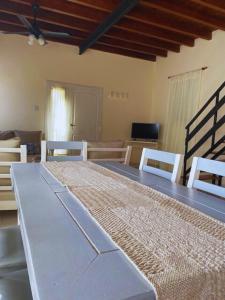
(87, 113)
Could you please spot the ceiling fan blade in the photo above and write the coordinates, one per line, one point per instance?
(55, 34)
(25, 22)
(15, 32)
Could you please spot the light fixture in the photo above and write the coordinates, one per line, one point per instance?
(41, 40)
(31, 39)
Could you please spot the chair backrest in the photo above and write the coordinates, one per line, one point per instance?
(22, 150)
(125, 154)
(50, 146)
(176, 160)
(209, 166)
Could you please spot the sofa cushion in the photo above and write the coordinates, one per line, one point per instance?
(6, 135)
(30, 137)
(102, 155)
(11, 143)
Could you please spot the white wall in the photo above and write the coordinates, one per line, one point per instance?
(24, 71)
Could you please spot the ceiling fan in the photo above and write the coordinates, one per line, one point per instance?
(33, 30)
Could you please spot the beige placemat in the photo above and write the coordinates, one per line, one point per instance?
(179, 249)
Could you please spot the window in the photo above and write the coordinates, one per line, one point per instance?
(183, 103)
(58, 118)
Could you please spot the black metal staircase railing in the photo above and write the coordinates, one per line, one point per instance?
(215, 148)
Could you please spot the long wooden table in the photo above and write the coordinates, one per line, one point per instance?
(68, 255)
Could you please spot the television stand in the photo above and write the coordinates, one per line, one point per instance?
(137, 147)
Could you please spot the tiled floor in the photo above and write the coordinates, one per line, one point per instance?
(8, 218)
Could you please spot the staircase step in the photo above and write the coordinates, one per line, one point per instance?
(215, 152)
(7, 195)
(8, 205)
(7, 201)
(205, 176)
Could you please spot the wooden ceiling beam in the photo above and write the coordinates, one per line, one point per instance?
(142, 39)
(45, 15)
(86, 26)
(98, 4)
(76, 41)
(97, 15)
(12, 19)
(155, 17)
(68, 8)
(164, 20)
(108, 49)
(218, 5)
(189, 11)
(152, 28)
(131, 46)
(114, 17)
(102, 46)
(124, 52)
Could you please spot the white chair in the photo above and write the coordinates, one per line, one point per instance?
(50, 146)
(12, 255)
(6, 195)
(15, 286)
(166, 157)
(209, 166)
(124, 159)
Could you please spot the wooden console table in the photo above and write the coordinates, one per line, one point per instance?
(137, 147)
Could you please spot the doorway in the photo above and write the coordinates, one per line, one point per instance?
(73, 112)
(87, 113)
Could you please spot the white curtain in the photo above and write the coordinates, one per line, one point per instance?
(59, 114)
(183, 103)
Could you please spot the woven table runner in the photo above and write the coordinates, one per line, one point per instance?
(179, 249)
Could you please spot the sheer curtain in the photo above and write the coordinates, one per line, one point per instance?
(59, 114)
(183, 103)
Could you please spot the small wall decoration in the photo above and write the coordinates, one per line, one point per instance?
(117, 95)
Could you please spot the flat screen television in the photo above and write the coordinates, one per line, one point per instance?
(148, 131)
